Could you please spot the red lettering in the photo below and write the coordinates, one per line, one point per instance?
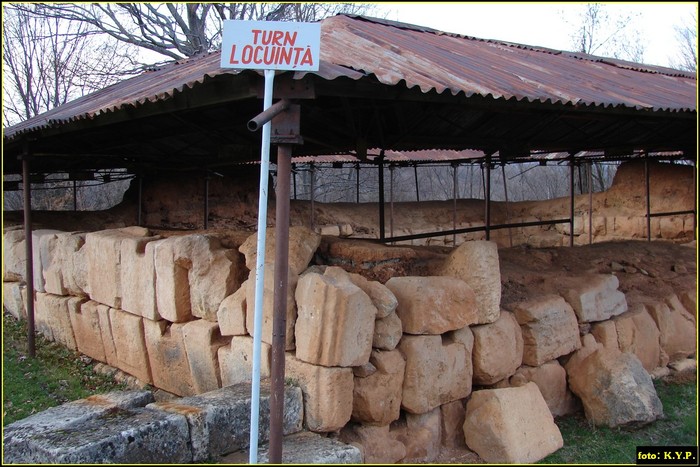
(231, 59)
(256, 59)
(285, 55)
(247, 54)
(307, 59)
(276, 38)
(290, 39)
(255, 35)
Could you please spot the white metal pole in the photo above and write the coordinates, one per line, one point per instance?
(260, 271)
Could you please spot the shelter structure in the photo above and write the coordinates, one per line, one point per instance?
(381, 84)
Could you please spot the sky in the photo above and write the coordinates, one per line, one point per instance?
(547, 24)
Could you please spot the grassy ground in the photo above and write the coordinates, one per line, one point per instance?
(55, 376)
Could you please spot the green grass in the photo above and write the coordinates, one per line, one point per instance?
(55, 376)
(587, 444)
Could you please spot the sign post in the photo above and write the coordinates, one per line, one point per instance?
(269, 46)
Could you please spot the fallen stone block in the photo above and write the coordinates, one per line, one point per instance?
(550, 378)
(452, 424)
(219, 421)
(476, 263)
(615, 389)
(18, 436)
(13, 295)
(434, 304)
(335, 320)
(511, 425)
(637, 333)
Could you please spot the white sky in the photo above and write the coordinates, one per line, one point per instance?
(545, 24)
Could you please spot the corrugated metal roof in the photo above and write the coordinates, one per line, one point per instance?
(355, 47)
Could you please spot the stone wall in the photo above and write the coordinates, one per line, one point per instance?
(399, 366)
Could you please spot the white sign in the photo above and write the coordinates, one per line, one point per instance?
(271, 45)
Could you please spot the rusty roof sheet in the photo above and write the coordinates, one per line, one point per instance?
(354, 47)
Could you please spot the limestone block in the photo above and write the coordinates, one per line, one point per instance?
(305, 448)
(421, 434)
(14, 256)
(17, 436)
(689, 301)
(303, 243)
(130, 344)
(605, 333)
(236, 360)
(433, 305)
(268, 305)
(452, 424)
(52, 317)
(549, 328)
(377, 397)
(637, 333)
(550, 378)
(232, 313)
(387, 332)
(202, 342)
(107, 337)
(138, 277)
(594, 297)
(511, 425)
(131, 436)
(588, 346)
(67, 272)
(167, 356)
(335, 321)
(382, 298)
(615, 389)
(86, 328)
(377, 444)
(677, 328)
(13, 295)
(172, 283)
(476, 263)
(43, 244)
(498, 349)
(219, 421)
(671, 227)
(436, 372)
(327, 393)
(103, 251)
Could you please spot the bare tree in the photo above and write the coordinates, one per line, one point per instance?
(47, 62)
(687, 37)
(178, 30)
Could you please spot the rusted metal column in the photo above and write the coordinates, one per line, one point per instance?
(454, 204)
(590, 204)
(206, 200)
(415, 176)
(695, 201)
(391, 200)
(139, 212)
(279, 322)
(487, 197)
(648, 197)
(571, 201)
(505, 193)
(29, 271)
(380, 160)
(294, 180)
(312, 169)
